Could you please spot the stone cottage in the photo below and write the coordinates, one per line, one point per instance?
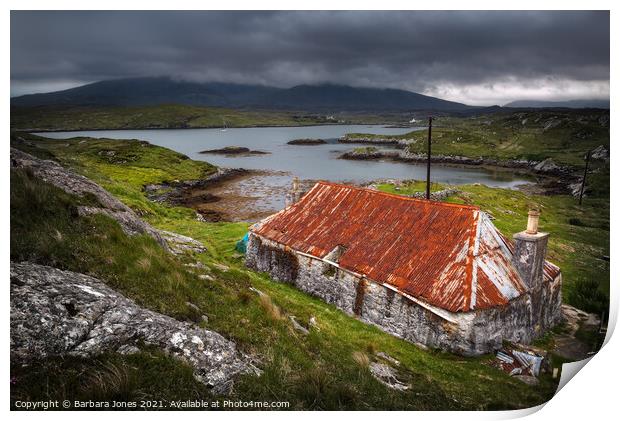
(433, 273)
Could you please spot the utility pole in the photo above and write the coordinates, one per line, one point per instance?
(428, 160)
(583, 182)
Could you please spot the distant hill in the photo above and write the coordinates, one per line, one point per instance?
(162, 90)
(578, 103)
(339, 97)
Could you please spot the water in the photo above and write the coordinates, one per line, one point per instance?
(317, 162)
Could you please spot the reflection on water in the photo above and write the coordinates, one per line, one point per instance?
(318, 162)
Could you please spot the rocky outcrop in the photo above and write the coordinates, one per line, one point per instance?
(60, 313)
(53, 173)
(376, 140)
(307, 142)
(438, 196)
(199, 194)
(234, 150)
(181, 244)
(601, 153)
(368, 153)
(567, 342)
(545, 167)
(175, 192)
(388, 376)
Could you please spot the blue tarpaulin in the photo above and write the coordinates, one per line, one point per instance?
(242, 244)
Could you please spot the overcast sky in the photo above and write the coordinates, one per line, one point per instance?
(479, 58)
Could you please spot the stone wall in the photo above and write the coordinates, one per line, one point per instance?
(282, 264)
(402, 317)
(522, 320)
(471, 333)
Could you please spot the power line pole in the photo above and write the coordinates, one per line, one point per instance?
(428, 160)
(583, 182)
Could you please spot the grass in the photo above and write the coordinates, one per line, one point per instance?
(564, 136)
(321, 370)
(45, 230)
(107, 378)
(162, 117)
(366, 150)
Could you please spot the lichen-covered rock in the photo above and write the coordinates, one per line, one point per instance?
(388, 376)
(181, 244)
(56, 313)
(600, 152)
(53, 173)
(440, 195)
(547, 166)
(553, 123)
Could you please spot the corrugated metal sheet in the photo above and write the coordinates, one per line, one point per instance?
(450, 256)
(551, 271)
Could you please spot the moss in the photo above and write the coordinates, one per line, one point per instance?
(366, 150)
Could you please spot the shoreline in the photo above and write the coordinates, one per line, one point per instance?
(540, 183)
(229, 195)
(234, 194)
(34, 131)
(550, 178)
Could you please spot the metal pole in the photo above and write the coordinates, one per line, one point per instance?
(428, 160)
(583, 182)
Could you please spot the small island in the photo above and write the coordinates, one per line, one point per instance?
(363, 153)
(234, 150)
(307, 142)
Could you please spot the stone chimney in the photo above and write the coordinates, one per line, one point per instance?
(294, 194)
(530, 252)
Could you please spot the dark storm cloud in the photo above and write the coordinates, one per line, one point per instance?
(449, 53)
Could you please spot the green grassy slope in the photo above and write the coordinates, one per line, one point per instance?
(565, 136)
(323, 370)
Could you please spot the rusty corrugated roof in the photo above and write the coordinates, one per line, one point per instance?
(449, 255)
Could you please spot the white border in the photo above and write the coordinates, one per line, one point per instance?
(590, 395)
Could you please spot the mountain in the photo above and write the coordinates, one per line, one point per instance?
(340, 97)
(147, 91)
(577, 103)
(162, 90)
